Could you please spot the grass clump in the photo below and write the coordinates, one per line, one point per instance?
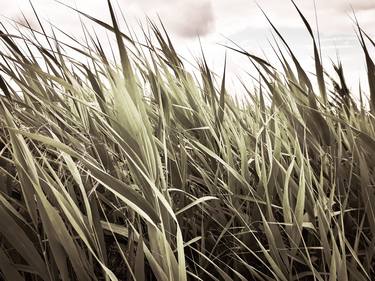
(140, 171)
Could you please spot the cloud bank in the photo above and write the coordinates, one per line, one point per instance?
(191, 18)
(186, 18)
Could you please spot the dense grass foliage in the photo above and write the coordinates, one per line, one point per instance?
(142, 171)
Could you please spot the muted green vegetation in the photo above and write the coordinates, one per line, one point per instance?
(139, 170)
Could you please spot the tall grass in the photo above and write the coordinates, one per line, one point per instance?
(141, 171)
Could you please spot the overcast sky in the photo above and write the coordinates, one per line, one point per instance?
(239, 20)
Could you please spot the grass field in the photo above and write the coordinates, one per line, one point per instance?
(140, 170)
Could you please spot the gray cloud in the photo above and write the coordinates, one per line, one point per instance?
(186, 18)
(363, 6)
(191, 18)
(357, 5)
